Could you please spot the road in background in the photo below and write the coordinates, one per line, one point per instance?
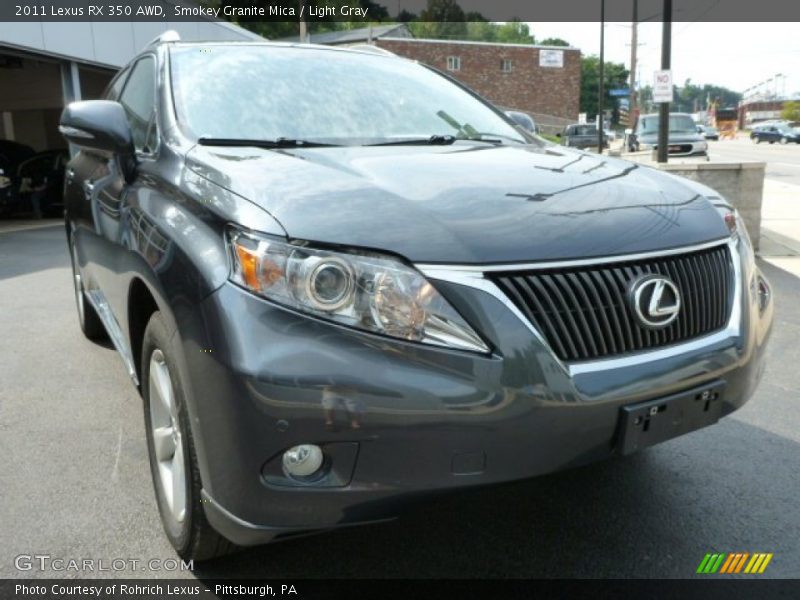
(75, 482)
(783, 160)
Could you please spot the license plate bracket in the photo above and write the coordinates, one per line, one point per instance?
(647, 423)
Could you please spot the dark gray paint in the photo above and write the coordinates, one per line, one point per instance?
(427, 411)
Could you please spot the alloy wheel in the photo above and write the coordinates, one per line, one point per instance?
(167, 437)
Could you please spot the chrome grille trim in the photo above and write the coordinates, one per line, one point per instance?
(473, 276)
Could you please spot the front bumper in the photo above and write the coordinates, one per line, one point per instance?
(679, 148)
(401, 419)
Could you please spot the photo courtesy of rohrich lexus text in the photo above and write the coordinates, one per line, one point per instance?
(300, 297)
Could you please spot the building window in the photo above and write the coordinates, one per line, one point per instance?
(453, 63)
(505, 65)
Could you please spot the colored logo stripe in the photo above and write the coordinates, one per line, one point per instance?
(710, 563)
(758, 563)
(734, 562)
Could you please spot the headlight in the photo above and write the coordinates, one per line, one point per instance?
(702, 145)
(733, 220)
(369, 292)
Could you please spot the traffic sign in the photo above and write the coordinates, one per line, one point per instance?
(662, 86)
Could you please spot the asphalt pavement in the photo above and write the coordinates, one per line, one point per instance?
(783, 160)
(75, 484)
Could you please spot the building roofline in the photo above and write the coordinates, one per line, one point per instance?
(49, 56)
(474, 43)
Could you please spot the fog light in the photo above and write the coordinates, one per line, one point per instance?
(303, 460)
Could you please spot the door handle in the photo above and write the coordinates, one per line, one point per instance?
(88, 189)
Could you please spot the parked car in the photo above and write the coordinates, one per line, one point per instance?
(524, 120)
(40, 182)
(330, 313)
(708, 132)
(581, 135)
(683, 138)
(780, 132)
(11, 155)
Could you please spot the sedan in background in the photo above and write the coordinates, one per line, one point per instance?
(708, 132)
(779, 132)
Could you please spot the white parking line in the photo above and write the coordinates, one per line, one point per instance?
(26, 226)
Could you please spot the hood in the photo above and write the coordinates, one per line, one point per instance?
(466, 203)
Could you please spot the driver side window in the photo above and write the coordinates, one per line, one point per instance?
(138, 99)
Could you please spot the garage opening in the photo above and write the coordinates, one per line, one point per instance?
(33, 91)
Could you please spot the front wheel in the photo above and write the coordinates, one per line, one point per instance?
(173, 462)
(784, 140)
(756, 140)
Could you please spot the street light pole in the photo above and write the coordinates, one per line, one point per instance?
(634, 48)
(600, 90)
(663, 111)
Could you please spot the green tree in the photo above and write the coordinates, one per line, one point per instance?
(441, 19)
(791, 111)
(553, 42)
(615, 76)
(514, 32)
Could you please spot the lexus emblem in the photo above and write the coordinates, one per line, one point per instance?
(655, 300)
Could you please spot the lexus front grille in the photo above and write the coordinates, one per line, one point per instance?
(585, 312)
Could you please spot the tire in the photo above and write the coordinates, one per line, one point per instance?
(784, 140)
(91, 325)
(756, 140)
(173, 466)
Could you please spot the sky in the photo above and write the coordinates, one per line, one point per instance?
(733, 55)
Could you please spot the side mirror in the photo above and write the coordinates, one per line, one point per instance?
(100, 125)
(521, 120)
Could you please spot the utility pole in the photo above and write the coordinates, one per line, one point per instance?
(663, 111)
(634, 47)
(600, 90)
(303, 24)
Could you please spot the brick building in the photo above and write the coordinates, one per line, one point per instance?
(535, 79)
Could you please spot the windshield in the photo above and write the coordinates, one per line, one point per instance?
(677, 124)
(270, 92)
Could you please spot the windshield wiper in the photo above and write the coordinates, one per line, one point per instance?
(480, 136)
(434, 140)
(280, 142)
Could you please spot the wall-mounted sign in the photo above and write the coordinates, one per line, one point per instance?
(662, 86)
(551, 58)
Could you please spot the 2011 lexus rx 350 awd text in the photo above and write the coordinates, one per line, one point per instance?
(340, 280)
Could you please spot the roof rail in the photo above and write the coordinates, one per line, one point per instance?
(168, 36)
